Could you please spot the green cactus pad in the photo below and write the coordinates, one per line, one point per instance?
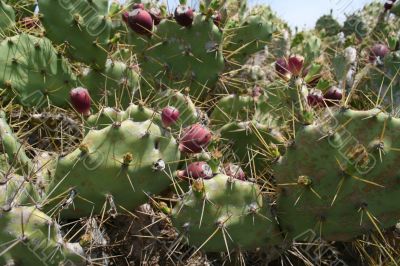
(249, 142)
(7, 19)
(83, 25)
(32, 71)
(180, 57)
(114, 86)
(30, 237)
(128, 161)
(10, 146)
(222, 214)
(339, 177)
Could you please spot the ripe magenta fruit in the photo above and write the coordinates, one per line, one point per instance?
(138, 6)
(234, 171)
(140, 21)
(194, 139)
(295, 64)
(333, 95)
(217, 18)
(184, 15)
(315, 98)
(156, 15)
(169, 116)
(80, 100)
(196, 170)
(389, 4)
(378, 51)
(281, 66)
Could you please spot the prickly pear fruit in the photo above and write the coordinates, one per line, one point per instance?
(281, 67)
(217, 18)
(295, 64)
(315, 98)
(137, 6)
(234, 171)
(196, 170)
(169, 116)
(194, 139)
(140, 21)
(184, 15)
(80, 100)
(156, 15)
(378, 52)
(333, 96)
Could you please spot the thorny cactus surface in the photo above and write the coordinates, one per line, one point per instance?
(139, 133)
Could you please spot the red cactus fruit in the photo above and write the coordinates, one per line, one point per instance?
(295, 64)
(138, 6)
(140, 21)
(196, 170)
(80, 100)
(389, 4)
(217, 18)
(281, 67)
(333, 95)
(184, 15)
(169, 116)
(315, 98)
(194, 139)
(156, 15)
(234, 171)
(378, 51)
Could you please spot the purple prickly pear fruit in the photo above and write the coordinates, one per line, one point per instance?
(138, 6)
(217, 18)
(234, 171)
(333, 95)
(196, 170)
(389, 4)
(315, 98)
(194, 139)
(281, 67)
(80, 100)
(378, 52)
(156, 15)
(295, 65)
(140, 21)
(184, 15)
(169, 116)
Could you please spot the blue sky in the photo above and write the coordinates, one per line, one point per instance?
(304, 13)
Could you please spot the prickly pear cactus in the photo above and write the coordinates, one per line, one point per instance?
(86, 28)
(328, 24)
(105, 169)
(29, 236)
(223, 213)
(10, 146)
(336, 176)
(174, 54)
(114, 86)
(7, 20)
(33, 72)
